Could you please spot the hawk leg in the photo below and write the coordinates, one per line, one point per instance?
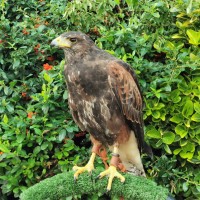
(90, 165)
(103, 155)
(112, 170)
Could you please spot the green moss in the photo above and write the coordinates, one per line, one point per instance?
(62, 185)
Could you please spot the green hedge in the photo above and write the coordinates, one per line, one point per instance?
(160, 39)
(62, 186)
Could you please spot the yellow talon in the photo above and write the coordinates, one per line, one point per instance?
(89, 167)
(111, 172)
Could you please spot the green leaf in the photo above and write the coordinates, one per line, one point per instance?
(7, 90)
(131, 3)
(2, 109)
(36, 150)
(189, 147)
(176, 151)
(5, 119)
(188, 109)
(185, 186)
(47, 78)
(62, 135)
(16, 63)
(156, 114)
(167, 149)
(117, 2)
(182, 85)
(20, 138)
(45, 108)
(59, 154)
(183, 142)
(196, 117)
(153, 133)
(70, 129)
(159, 143)
(69, 198)
(168, 137)
(189, 8)
(170, 45)
(163, 114)
(187, 123)
(177, 36)
(193, 57)
(4, 149)
(159, 106)
(37, 131)
(177, 118)
(31, 162)
(65, 95)
(44, 145)
(194, 36)
(41, 28)
(156, 14)
(174, 96)
(186, 155)
(157, 45)
(69, 146)
(181, 130)
(198, 188)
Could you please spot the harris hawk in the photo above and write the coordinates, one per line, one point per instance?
(105, 100)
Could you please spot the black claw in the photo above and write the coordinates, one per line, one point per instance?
(97, 177)
(107, 191)
(91, 177)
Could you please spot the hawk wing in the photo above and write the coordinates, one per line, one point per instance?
(125, 87)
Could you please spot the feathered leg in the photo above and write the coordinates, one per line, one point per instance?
(90, 165)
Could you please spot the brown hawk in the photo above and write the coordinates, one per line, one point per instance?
(105, 100)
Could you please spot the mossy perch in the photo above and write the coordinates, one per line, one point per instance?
(61, 186)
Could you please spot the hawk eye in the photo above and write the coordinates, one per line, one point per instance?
(73, 39)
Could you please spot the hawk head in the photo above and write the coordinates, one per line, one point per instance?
(73, 42)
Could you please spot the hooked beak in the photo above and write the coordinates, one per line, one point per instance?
(61, 42)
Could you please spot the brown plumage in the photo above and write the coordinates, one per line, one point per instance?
(104, 98)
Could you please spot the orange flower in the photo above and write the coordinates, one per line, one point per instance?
(1, 152)
(36, 48)
(47, 66)
(30, 114)
(25, 32)
(36, 25)
(24, 94)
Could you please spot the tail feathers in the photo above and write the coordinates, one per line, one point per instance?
(130, 156)
(135, 171)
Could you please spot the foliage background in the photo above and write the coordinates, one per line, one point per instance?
(159, 39)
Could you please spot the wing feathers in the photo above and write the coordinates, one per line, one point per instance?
(127, 91)
(124, 84)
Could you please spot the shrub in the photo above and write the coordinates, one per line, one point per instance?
(160, 39)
